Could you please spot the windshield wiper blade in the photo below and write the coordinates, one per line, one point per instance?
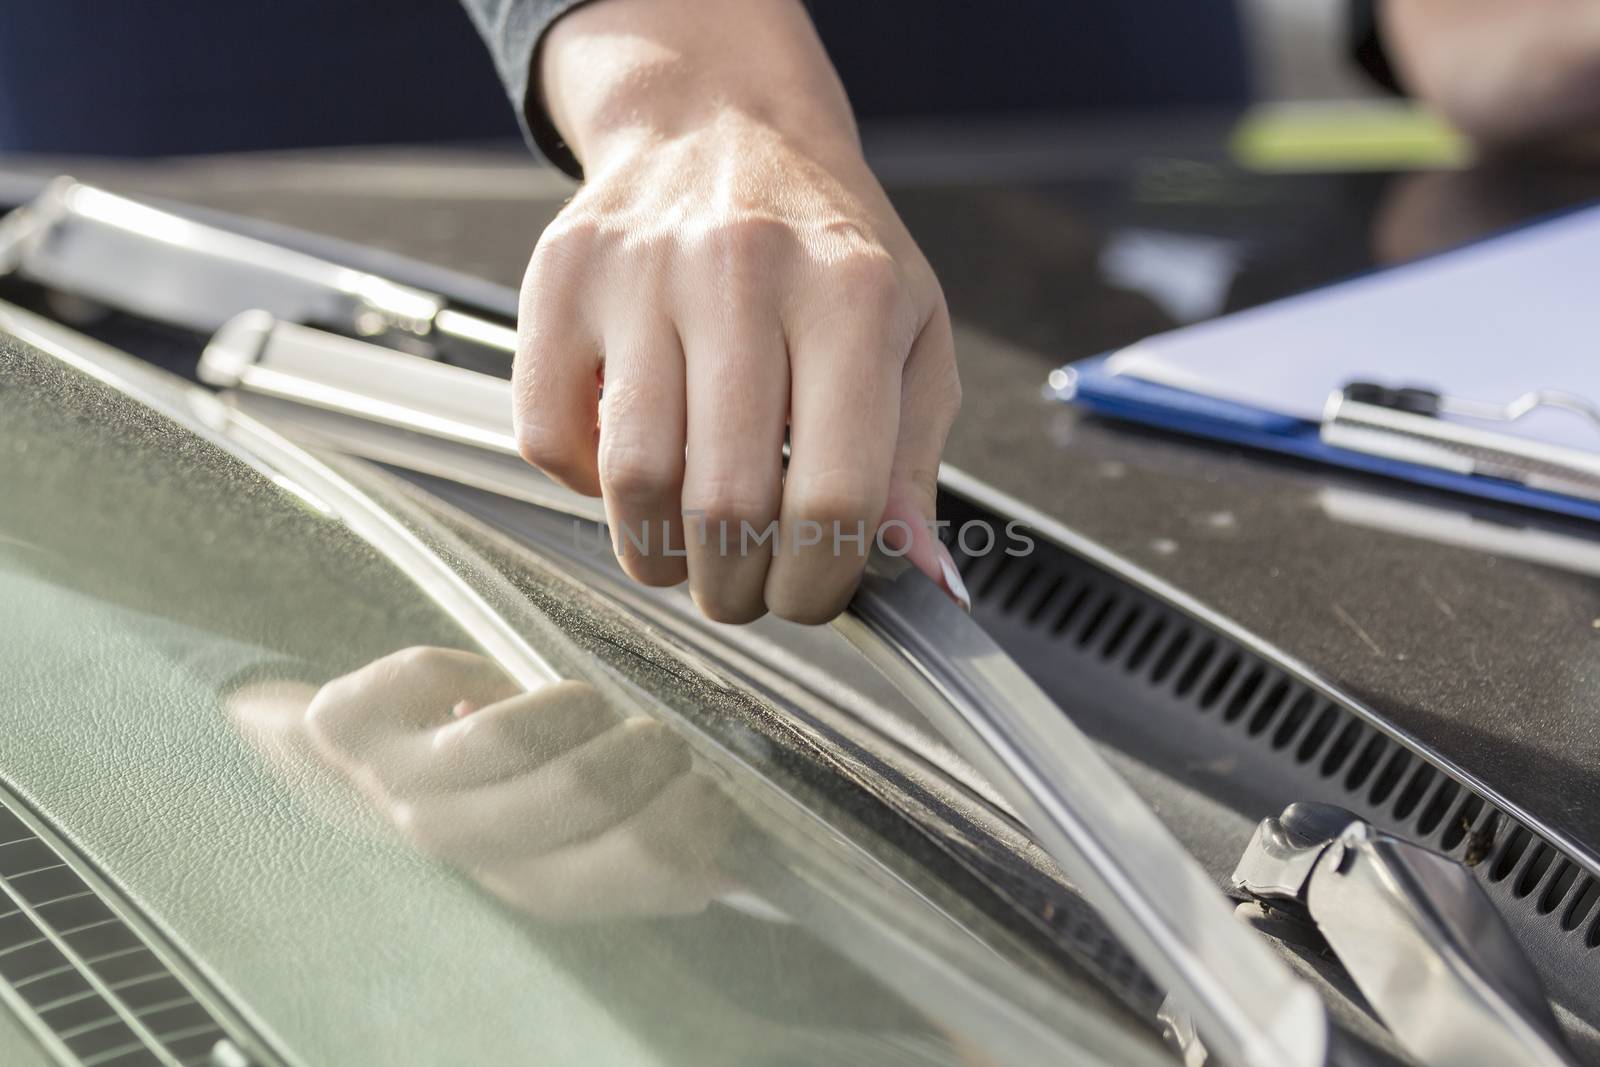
(1251, 1010)
(1416, 933)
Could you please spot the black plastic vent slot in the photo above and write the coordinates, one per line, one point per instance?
(83, 975)
(1139, 674)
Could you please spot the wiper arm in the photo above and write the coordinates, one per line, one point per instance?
(1416, 933)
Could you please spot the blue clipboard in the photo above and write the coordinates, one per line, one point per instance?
(1090, 384)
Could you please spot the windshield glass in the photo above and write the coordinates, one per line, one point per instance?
(323, 760)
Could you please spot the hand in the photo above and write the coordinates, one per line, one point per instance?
(1502, 70)
(549, 800)
(730, 269)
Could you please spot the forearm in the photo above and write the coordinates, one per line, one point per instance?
(615, 73)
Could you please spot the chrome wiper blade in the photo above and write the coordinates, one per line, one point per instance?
(1250, 1009)
(1415, 931)
(159, 265)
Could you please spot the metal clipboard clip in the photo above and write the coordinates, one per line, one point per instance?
(1405, 425)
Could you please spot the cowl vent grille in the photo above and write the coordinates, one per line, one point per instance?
(84, 980)
(1147, 678)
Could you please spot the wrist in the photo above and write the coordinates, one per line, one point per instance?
(619, 74)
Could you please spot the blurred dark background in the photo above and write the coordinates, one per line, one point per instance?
(192, 76)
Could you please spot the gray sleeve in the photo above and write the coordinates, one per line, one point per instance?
(513, 30)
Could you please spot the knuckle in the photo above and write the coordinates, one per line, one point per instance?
(730, 507)
(634, 475)
(937, 404)
(653, 569)
(731, 610)
(417, 658)
(865, 296)
(813, 607)
(872, 282)
(424, 825)
(329, 714)
(564, 245)
(728, 585)
(508, 729)
(872, 274)
(803, 615)
(948, 396)
(747, 243)
(567, 254)
(548, 449)
(842, 499)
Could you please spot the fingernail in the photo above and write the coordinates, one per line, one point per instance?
(463, 708)
(952, 578)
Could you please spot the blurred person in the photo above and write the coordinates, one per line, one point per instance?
(1505, 72)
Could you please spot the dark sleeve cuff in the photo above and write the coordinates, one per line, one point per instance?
(514, 31)
(1366, 45)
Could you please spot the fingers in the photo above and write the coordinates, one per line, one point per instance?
(535, 771)
(548, 798)
(846, 359)
(501, 741)
(555, 379)
(662, 861)
(365, 723)
(401, 739)
(719, 329)
(738, 392)
(577, 795)
(404, 692)
(641, 458)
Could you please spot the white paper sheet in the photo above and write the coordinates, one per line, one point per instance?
(1487, 323)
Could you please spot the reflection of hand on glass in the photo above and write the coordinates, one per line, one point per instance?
(549, 799)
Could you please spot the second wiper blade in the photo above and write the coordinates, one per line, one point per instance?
(139, 259)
